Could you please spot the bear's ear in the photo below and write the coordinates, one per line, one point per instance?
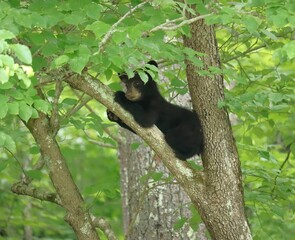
(153, 62)
(123, 77)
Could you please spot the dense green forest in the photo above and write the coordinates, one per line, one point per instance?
(43, 43)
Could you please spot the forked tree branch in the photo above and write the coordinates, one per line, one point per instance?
(112, 30)
(170, 25)
(70, 197)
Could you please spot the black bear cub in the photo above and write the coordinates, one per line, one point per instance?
(181, 127)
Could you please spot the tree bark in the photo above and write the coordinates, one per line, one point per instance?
(221, 205)
(70, 197)
(150, 208)
(217, 191)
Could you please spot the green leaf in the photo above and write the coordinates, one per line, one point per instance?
(70, 101)
(49, 49)
(293, 149)
(119, 37)
(3, 163)
(93, 10)
(264, 155)
(26, 81)
(276, 97)
(144, 77)
(156, 176)
(6, 141)
(4, 77)
(13, 108)
(135, 145)
(10, 144)
(3, 46)
(98, 28)
(77, 64)
(35, 174)
(3, 110)
(179, 224)
(269, 34)
(4, 34)
(60, 61)
(17, 95)
(7, 61)
(34, 150)
(22, 52)
(257, 3)
(279, 20)
(25, 111)
(290, 49)
(42, 105)
(251, 23)
(75, 18)
(177, 83)
(84, 51)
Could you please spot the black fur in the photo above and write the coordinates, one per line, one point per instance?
(181, 127)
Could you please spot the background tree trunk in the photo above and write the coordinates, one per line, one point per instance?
(221, 203)
(150, 208)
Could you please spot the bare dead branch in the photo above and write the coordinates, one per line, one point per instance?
(170, 25)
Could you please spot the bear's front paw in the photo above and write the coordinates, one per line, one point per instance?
(120, 96)
(112, 117)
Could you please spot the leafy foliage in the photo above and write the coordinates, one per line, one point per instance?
(42, 42)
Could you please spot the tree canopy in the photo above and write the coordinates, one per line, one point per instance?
(42, 43)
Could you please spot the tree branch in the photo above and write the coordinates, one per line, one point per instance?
(281, 168)
(170, 26)
(183, 172)
(70, 197)
(22, 189)
(112, 30)
(244, 53)
(54, 120)
(102, 144)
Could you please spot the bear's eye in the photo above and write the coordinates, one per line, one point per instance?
(137, 84)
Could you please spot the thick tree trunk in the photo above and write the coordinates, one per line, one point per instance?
(150, 209)
(221, 204)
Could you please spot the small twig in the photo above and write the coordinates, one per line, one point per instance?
(99, 143)
(54, 120)
(105, 129)
(112, 30)
(18, 162)
(244, 53)
(281, 168)
(81, 103)
(167, 25)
